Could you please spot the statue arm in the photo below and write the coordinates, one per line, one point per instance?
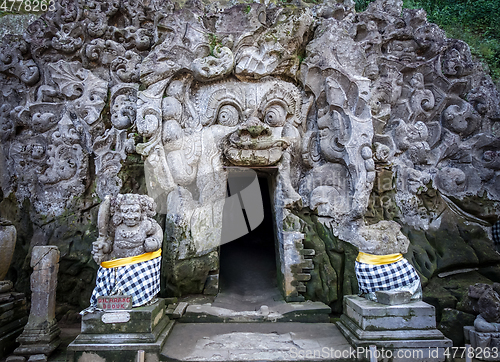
(102, 247)
(154, 236)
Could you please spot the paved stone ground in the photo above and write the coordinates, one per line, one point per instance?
(181, 344)
(68, 334)
(255, 342)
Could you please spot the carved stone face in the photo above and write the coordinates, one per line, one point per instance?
(131, 214)
(403, 50)
(259, 115)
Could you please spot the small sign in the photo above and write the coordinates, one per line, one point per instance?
(115, 317)
(114, 302)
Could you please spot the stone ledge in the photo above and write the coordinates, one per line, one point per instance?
(389, 334)
(142, 320)
(413, 347)
(123, 338)
(381, 323)
(101, 345)
(367, 308)
(306, 312)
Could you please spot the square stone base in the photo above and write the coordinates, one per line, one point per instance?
(125, 333)
(404, 332)
(486, 343)
(8, 337)
(13, 318)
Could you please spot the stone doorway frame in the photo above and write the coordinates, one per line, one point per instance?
(293, 262)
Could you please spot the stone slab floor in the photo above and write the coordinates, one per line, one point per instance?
(206, 339)
(252, 341)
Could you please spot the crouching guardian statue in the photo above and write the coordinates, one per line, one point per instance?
(128, 249)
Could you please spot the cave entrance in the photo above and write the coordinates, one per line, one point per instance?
(248, 274)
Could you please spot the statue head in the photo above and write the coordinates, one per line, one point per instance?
(131, 209)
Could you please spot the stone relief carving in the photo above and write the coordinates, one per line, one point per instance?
(327, 98)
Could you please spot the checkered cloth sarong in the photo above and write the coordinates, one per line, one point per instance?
(372, 278)
(495, 232)
(141, 281)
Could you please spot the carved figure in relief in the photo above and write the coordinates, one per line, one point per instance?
(128, 249)
(412, 139)
(485, 300)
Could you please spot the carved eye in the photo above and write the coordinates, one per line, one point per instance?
(275, 116)
(228, 115)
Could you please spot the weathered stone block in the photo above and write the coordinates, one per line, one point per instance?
(375, 316)
(393, 297)
(146, 329)
(41, 333)
(140, 320)
(16, 359)
(180, 310)
(38, 358)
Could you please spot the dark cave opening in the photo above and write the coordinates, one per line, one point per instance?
(248, 264)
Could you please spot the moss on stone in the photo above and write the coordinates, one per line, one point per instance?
(449, 291)
(333, 275)
(452, 324)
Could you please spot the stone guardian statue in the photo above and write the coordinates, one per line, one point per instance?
(129, 244)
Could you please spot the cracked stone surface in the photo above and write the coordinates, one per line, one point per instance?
(250, 342)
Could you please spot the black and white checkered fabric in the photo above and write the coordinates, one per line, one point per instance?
(141, 281)
(495, 232)
(372, 278)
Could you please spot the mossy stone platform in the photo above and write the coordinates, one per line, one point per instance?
(408, 330)
(118, 335)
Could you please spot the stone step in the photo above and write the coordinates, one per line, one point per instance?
(401, 333)
(401, 350)
(257, 342)
(305, 312)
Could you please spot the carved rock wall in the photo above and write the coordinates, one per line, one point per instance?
(365, 116)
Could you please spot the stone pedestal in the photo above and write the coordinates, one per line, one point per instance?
(486, 342)
(117, 336)
(13, 317)
(408, 331)
(41, 334)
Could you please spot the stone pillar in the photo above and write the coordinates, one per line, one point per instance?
(41, 334)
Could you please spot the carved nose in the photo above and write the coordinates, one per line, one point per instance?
(255, 127)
